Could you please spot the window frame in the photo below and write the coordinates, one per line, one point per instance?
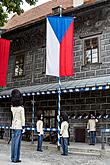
(48, 116)
(16, 56)
(87, 38)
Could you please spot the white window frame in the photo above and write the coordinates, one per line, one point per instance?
(91, 37)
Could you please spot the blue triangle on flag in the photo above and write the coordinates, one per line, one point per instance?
(60, 25)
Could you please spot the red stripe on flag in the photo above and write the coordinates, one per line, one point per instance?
(4, 54)
(66, 53)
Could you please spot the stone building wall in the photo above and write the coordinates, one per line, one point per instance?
(32, 41)
(78, 104)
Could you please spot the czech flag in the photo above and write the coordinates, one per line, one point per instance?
(59, 46)
(4, 55)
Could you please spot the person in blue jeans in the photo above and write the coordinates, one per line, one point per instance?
(18, 123)
(15, 145)
(65, 134)
(92, 135)
(91, 127)
(39, 132)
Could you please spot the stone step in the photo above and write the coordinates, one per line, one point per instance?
(85, 151)
(71, 150)
(28, 146)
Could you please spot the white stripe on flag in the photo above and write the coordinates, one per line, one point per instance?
(52, 52)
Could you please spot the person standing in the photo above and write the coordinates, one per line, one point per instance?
(39, 132)
(18, 124)
(91, 127)
(65, 134)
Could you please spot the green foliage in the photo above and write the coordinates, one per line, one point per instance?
(8, 6)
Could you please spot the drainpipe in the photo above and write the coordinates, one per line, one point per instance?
(33, 68)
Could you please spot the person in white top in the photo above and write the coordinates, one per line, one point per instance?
(39, 132)
(91, 127)
(18, 124)
(65, 134)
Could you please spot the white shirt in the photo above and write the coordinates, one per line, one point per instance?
(91, 125)
(40, 127)
(18, 117)
(64, 129)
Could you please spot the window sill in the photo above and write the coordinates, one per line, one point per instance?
(18, 76)
(91, 64)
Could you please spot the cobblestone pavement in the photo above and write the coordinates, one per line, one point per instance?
(30, 156)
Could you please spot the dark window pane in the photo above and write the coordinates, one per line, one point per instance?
(91, 53)
(19, 65)
(94, 42)
(87, 44)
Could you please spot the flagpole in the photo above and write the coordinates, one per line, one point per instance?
(59, 96)
(33, 122)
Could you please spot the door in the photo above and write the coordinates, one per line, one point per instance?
(80, 134)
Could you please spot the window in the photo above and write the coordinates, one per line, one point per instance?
(19, 66)
(91, 50)
(49, 118)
